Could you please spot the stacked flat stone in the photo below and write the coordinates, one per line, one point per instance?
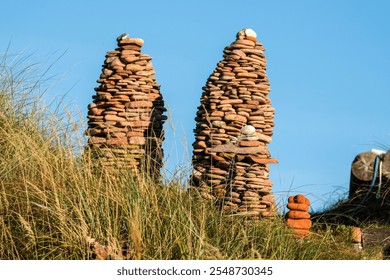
(125, 119)
(298, 218)
(234, 124)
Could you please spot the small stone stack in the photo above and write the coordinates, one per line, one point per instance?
(356, 236)
(234, 124)
(125, 119)
(298, 217)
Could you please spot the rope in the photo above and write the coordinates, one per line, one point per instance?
(378, 194)
(377, 168)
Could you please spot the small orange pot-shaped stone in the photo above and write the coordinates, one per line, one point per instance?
(299, 198)
(356, 234)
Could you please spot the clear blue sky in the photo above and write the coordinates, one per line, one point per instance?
(328, 65)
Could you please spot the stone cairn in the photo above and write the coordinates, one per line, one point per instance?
(234, 124)
(125, 119)
(298, 218)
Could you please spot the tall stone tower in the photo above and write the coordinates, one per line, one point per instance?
(126, 116)
(234, 124)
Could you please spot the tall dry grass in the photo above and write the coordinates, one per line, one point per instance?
(54, 204)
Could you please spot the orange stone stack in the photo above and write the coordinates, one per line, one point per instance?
(298, 217)
(234, 124)
(125, 119)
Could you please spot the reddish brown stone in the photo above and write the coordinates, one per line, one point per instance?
(298, 207)
(260, 160)
(293, 214)
(200, 145)
(134, 67)
(247, 75)
(246, 143)
(137, 140)
(301, 199)
(253, 39)
(217, 158)
(299, 224)
(129, 59)
(217, 114)
(116, 63)
(245, 42)
(114, 118)
(231, 101)
(131, 41)
(234, 117)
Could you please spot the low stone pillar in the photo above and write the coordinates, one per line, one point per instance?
(126, 116)
(298, 218)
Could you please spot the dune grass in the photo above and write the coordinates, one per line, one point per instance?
(53, 202)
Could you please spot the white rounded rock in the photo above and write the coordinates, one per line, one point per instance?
(124, 36)
(248, 130)
(250, 32)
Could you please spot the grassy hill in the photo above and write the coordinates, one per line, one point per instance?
(54, 204)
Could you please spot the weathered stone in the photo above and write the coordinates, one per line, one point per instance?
(293, 214)
(131, 41)
(137, 140)
(117, 141)
(246, 75)
(299, 198)
(260, 160)
(231, 101)
(298, 207)
(134, 67)
(112, 117)
(139, 104)
(244, 42)
(229, 147)
(97, 140)
(249, 143)
(299, 223)
(116, 63)
(234, 117)
(265, 138)
(129, 59)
